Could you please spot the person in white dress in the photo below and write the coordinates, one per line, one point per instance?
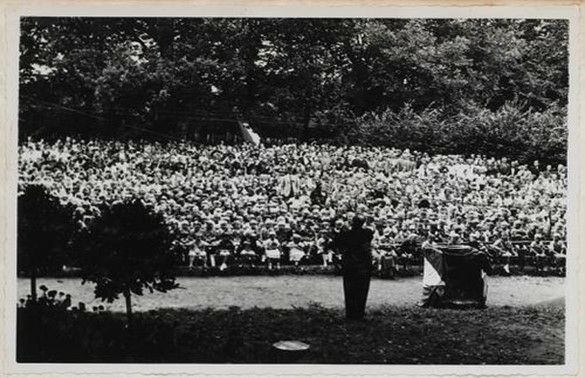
(272, 250)
(296, 249)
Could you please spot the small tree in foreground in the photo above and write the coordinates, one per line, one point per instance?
(125, 251)
(44, 230)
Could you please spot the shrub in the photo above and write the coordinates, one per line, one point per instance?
(125, 251)
(44, 230)
(510, 131)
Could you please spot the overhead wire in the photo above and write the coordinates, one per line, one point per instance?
(186, 114)
(60, 107)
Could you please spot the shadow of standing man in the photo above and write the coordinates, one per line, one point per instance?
(355, 246)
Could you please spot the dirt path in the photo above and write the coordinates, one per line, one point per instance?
(301, 291)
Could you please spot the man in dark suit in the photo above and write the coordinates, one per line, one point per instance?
(355, 247)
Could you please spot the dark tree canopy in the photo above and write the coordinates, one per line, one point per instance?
(192, 77)
(45, 228)
(126, 250)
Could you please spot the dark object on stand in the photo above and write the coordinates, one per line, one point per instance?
(455, 276)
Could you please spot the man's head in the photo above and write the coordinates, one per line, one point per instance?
(357, 222)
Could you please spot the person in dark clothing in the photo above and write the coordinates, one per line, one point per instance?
(355, 247)
(535, 168)
(424, 204)
(317, 196)
(360, 163)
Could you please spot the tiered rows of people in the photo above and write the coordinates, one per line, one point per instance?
(285, 196)
(389, 254)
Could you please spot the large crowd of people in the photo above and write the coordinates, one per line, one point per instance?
(285, 203)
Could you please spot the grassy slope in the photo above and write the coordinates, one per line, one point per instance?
(498, 335)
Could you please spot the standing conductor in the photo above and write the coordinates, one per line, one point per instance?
(355, 247)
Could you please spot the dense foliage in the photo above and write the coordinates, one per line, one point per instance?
(301, 78)
(499, 335)
(509, 132)
(125, 251)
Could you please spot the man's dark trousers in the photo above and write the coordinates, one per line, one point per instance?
(356, 285)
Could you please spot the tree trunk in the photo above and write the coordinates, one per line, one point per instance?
(128, 297)
(33, 283)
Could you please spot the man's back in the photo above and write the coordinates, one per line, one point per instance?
(355, 245)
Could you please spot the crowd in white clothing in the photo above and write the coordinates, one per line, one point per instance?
(286, 202)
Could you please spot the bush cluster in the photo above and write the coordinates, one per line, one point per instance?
(523, 135)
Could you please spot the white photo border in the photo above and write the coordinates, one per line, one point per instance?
(9, 177)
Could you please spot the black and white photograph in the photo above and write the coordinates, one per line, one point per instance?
(299, 191)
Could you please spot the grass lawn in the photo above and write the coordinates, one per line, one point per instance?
(390, 335)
